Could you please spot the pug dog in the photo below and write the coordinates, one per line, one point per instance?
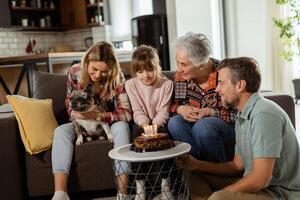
(86, 129)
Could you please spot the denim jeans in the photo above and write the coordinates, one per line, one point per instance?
(63, 146)
(206, 136)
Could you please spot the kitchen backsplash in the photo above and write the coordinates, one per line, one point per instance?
(13, 43)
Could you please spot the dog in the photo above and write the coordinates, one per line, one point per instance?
(85, 129)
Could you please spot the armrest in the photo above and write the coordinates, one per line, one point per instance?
(285, 101)
(12, 156)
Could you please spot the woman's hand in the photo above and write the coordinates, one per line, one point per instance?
(200, 113)
(84, 115)
(187, 112)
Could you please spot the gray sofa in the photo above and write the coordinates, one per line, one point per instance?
(24, 176)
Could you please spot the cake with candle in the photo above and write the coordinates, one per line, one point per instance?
(152, 141)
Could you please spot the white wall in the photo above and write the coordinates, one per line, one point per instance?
(141, 7)
(120, 15)
(187, 16)
(248, 25)
(192, 16)
(248, 29)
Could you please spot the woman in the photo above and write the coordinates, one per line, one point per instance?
(98, 74)
(201, 119)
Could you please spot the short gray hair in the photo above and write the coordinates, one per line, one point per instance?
(196, 47)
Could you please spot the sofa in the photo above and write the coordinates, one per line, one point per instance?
(25, 176)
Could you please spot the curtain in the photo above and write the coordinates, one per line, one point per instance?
(283, 72)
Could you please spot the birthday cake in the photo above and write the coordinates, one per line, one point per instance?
(152, 141)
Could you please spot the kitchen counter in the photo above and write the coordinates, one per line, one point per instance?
(29, 63)
(54, 58)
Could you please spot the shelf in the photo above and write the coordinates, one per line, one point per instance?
(44, 17)
(96, 24)
(33, 9)
(37, 28)
(100, 4)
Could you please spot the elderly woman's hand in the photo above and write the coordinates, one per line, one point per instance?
(187, 112)
(200, 113)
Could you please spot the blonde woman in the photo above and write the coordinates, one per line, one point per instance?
(98, 74)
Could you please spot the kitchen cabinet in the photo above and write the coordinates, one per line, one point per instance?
(84, 13)
(53, 14)
(95, 12)
(33, 14)
(73, 14)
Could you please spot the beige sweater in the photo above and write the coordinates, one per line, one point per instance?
(150, 104)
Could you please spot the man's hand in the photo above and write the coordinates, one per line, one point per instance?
(192, 162)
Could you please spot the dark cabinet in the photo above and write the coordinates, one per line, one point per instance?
(53, 14)
(94, 13)
(152, 30)
(5, 19)
(83, 13)
(34, 14)
(73, 14)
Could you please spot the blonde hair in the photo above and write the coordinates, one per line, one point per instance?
(146, 58)
(101, 52)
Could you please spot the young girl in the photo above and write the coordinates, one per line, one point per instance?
(98, 74)
(150, 94)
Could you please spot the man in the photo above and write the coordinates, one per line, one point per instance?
(266, 145)
(200, 119)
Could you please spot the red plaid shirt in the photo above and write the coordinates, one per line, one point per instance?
(119, 107)
(190, 93)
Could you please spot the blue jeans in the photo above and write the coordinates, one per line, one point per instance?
(206, 136)
(63, 145)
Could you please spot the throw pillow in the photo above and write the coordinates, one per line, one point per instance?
(36, 122)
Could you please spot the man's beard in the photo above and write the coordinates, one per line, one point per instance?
(232, 103)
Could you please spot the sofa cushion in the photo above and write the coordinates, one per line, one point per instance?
(52, 86)
(284, 101)
(36, 122)
(91, 170)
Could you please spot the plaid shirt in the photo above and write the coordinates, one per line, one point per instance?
(187, 92)
(118, 107)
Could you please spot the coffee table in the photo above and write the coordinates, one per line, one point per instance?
(153, 168)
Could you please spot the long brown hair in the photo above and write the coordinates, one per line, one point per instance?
(145, 58)
(102, 52)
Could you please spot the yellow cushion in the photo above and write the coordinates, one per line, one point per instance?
(36, 122)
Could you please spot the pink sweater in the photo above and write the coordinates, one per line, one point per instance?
(150, 104)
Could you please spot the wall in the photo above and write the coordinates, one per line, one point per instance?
(248, 34)
(192, 16)
(14, 42)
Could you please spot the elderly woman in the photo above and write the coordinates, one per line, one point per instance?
(200, 119)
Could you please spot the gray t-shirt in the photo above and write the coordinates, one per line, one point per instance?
(264, 130)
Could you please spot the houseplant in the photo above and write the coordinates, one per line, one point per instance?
(288, 31)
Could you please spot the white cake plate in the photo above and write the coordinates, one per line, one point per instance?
(124, 153)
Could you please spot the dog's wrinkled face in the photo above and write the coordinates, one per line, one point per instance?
(81, 101)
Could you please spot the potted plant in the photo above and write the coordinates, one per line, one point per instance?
(288, 33)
